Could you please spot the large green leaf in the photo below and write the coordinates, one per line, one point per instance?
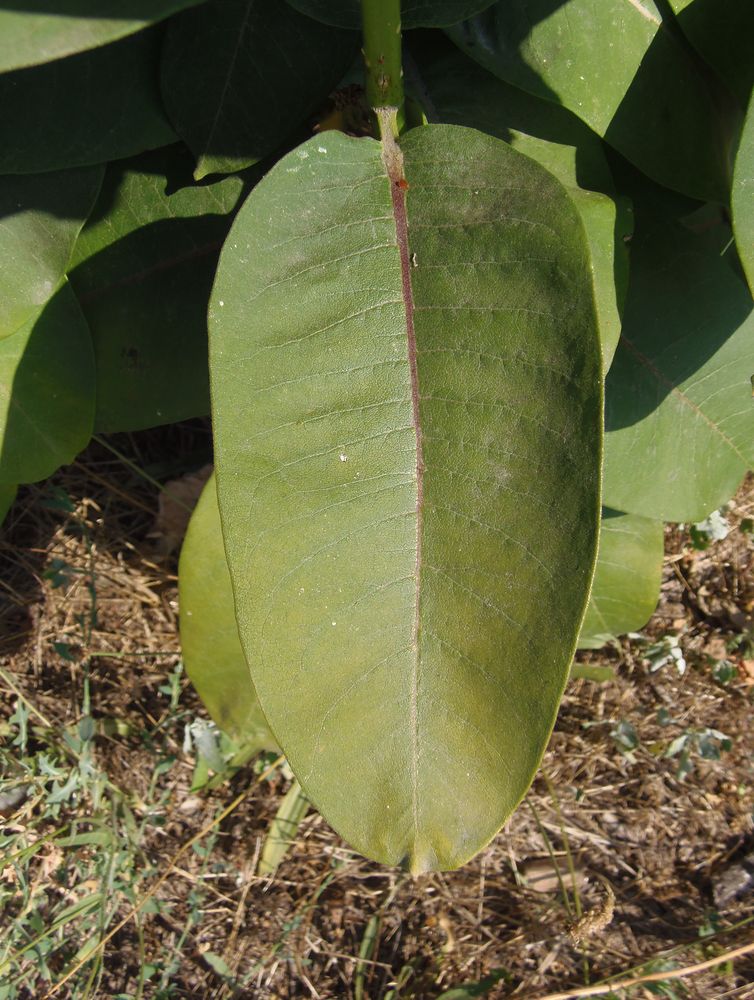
(212, 653)
(143, 269)
(742, 197)
(414, 13)
(722, 32)
(87, 108)
(626, 585)
(40, 217)
(679, 412)
(616, 66)
(407, 405)
(238, 76)
(459, 92)
(30, 35)
(46, 391)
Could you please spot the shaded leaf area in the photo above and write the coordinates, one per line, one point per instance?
(721, 31)
(414, 13)
(679, 413)
(621, 71)
(456, 90)
(40, 217)
(87, 108)
(212, 653)
(742, 197)
(37, 31)
(238, 76)
(626, 584)
(407, 439)
(46, 391)
(142, 269)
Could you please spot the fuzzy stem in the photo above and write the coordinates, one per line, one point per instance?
(381, 22)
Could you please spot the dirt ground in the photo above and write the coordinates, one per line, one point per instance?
(646, 793)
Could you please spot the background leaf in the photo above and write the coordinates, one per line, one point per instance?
(143, 268)
(414, 13)
(458, 91)
(616, 66)
(742, 197)
(40, 217)
(46, 391)
(679, 413)
(87, 108)
(30, 35)
(212, 653)
(626, 585)
(721, 31)
(238, 76)
(415, 732)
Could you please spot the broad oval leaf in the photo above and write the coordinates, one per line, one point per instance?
(87, 108)
(679, 412)
(721, 31)
(143, 269)
(414, 13)
(212, 653)
(616, 66)
(238, 76)
(46, 391)
(460, 92)
(626, 585)
(40, 217)
(407, 404)
(29, 36)
(742, 197)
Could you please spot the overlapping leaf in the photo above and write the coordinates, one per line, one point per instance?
(722, 32)
(40, 217)
(679, 412)
(238, 76)
(414, 13)
(46, 391)
(626, 585)
(212, 653)
(84, 109)
(458, 91)
(616, 66)
(143, 269)
(408, 439)
(742, 197)
(30, 35)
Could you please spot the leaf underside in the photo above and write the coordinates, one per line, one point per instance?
(212, 652)
(742, 197)
(626, 579)
(407, 404)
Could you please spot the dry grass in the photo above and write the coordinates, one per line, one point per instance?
(90, 612)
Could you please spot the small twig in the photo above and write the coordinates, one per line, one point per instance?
(653, 977)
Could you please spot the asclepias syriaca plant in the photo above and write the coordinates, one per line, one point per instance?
(411, 328)
(407, 409)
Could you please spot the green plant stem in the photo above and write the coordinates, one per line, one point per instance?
(381, 23)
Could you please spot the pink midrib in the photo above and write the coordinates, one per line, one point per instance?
(398, 187)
